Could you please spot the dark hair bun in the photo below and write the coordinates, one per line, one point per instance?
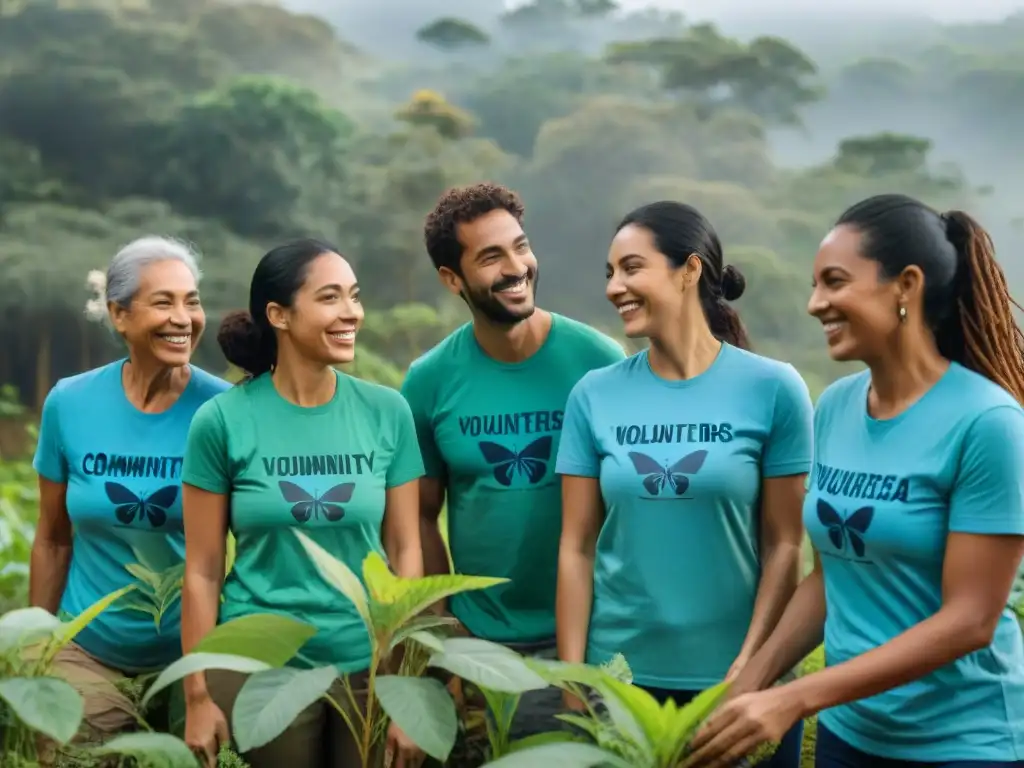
(243, 345)
(733, 283)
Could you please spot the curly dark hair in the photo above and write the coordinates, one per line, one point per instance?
(461, 205)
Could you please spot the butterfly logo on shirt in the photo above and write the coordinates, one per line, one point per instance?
(133, 509)
(849, 529)
(312, 506)
(531, 462)
(658, 477)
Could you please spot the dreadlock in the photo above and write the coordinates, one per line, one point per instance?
(982, 334)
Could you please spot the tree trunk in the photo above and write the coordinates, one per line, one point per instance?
(44, 364)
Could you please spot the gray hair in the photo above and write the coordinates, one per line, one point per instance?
(121, 282)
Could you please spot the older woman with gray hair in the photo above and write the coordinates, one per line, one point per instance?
(111, 443)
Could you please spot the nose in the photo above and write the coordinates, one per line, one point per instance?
(614, 288)
(180, 316)
(817, 304)
(350, 310)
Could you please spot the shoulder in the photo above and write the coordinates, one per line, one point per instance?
(987, 411)
(610, 378)
(376, 396)
(765, 370)
(586, 339)
(206, 384)
(842, 391)
(88, 383)
(440, 356)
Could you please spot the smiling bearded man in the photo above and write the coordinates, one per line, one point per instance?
(488, 403)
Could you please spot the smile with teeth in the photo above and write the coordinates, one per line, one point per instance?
(629, 306)
(833, 326)
(518, 287)
(177, 339)
(348, 335)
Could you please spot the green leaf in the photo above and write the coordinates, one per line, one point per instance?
(268, 637)
(44, 704)
(419, 624)
(339, 576)
(422, 708)
(24, 626)
(143, 574)
(633, 711)
(191, 663)
(70, 630)
(488, 665)
(540, 739)
(270, 701)
(564, 755)
(153, 750)
(681, 724)
(428, 641)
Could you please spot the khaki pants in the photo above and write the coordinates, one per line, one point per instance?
(317, 738)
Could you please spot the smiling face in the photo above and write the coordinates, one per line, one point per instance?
(499, 270)
(165, 319)
(644, 286)
(858, 309)
(326, 312)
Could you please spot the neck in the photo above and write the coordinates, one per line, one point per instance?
(901, 376)
(301, 381)
(684, 351)
(513, 343)
(152, 386)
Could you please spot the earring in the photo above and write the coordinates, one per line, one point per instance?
(903, 314)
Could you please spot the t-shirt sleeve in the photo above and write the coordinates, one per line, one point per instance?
(207, 464)
(988, 492)
(416, 391)
(406, 463)
(790, 446)
(50, 461)
(577, 448)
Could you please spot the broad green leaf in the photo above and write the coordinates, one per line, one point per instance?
(419, 594)
(44, 704)
(633, 711)
(422, 708)
(270, 701)
(191, 663)
(540, 739)
(428, 641)
(153, 750)
(383, 585)
(564, 755)
(268, 637)
(143, 574)
(70, 630)
(339, 576)
(420, 624)
(24, 626)
(488, 665)
(559, 673)
(681, 724)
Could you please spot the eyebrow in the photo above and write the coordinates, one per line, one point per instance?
(338, 287)
(164, 293)
(488, 250)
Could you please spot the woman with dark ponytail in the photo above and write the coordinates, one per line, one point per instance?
(915, 509)
(296, 446)
(683, 471)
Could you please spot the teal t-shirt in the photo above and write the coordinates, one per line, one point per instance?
(492, 430)
(883, 497)
(122, 468)
(322, 470)
(680, 465)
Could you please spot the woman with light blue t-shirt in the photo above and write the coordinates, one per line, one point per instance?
(683, 471)
(915, 509)
(109, 458)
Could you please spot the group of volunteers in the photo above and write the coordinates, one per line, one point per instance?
(652, 505)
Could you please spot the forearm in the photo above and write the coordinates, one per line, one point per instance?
(48, 573)
(937, 641)
(573, 601)
(200, 606)
(798, 632)
(407, 559)
(780, 576)
(435, 555)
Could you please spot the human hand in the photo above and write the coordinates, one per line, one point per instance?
(206, 729)
(402, 751)
(573, 703)
(740, 726)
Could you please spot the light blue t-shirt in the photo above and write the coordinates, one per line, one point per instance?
(883, 497)
(680, 465)
(122, 468)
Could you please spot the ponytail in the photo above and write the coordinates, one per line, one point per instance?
(723, 320)
(982, 334)
(246, 344)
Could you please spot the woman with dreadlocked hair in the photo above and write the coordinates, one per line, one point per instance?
(915, 508)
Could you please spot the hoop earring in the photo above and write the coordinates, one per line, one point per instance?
(903, 314)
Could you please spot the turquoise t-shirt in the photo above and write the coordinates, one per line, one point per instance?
(122, 468)
(883, 497)
(324, 471)
(680, 464)
(492, 429)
